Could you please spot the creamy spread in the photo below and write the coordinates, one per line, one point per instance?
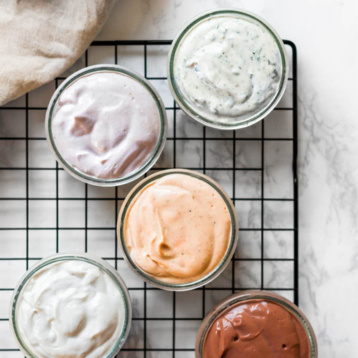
(227, 66)
(106, 125)
(256, 329)
(70, 309)
(177, 229)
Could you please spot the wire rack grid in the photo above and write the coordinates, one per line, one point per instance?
(45, 211)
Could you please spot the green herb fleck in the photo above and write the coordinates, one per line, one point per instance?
(274, 74)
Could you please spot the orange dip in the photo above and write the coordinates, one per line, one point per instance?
(177, 229)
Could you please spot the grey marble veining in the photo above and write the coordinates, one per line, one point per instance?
(328, 132)
(328, 174)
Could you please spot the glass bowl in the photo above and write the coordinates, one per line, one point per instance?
(93, 260)
(188, 285)
(89, 179)
(248, 296)
(243, 120)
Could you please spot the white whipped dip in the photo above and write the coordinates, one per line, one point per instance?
(106, 125)
(227, 66)
(70, 309)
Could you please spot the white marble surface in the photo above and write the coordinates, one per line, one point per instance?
(325, 33)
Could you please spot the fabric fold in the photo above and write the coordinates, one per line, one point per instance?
(40, 39)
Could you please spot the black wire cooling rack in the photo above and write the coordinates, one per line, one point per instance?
(44, 211)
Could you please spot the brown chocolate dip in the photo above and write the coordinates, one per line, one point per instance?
(256, 328)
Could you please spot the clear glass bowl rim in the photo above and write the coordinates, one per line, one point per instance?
(252, 295)
(94, 260)
(189, 285)
(91, 179)
(188, 109)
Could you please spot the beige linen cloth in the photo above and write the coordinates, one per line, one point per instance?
(40, 39)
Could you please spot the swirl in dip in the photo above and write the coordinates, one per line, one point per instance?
(255, 329)
(106, 125)
(177, 229)
(70, 309)
(227, 66)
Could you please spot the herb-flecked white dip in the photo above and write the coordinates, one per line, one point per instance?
(227, 67)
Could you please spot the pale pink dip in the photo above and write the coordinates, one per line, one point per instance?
(106, 125)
